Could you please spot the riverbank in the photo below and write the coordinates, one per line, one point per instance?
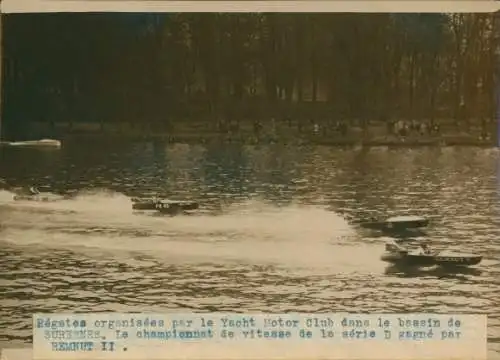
(375, 134)
(193, 139)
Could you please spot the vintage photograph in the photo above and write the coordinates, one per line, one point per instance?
(249, 162)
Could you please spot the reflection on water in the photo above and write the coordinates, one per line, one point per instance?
(273, 234)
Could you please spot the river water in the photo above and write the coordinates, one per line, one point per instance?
(274, 234)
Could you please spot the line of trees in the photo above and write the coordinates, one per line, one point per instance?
(164, 68)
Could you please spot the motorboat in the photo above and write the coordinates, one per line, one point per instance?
(397, 223)
(424, 256)
(37, 194)
(36, 143)
(163, 205)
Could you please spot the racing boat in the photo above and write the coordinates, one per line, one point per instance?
(424, 256)
(397, 223)
(36, 143)
(163, 205)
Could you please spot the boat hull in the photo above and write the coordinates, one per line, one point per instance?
(431, 260)
(163, 206)
(388, 226)
(146, 205)
(446, 260)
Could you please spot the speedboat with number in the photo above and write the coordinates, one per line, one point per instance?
(425, 256)
(397, 223)
(163, 205)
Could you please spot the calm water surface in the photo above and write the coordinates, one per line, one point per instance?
(273, 234)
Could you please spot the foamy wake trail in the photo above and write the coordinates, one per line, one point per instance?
(107, 217)
(249, 232)
(89, 209)
(99, 202)
(104, 208)
(6, 197)
(268, 222)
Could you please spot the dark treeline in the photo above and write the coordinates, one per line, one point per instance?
(162, 69)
